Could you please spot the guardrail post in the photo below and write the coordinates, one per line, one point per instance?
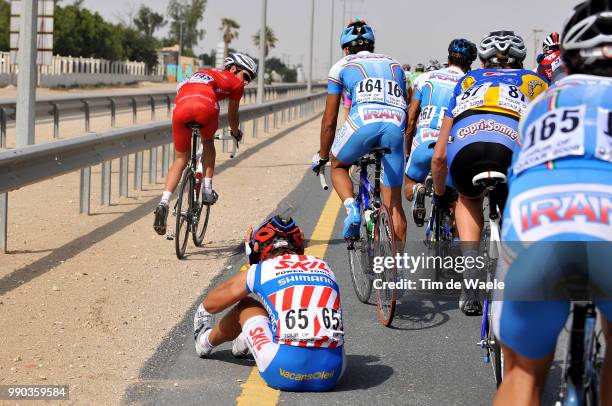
(275, 119)
(134, 110)
(152, 101)
(266, 124)
(123, 175)
(2, 128)
(85, 190)
(113, 111)
(224, 142)
(165, 159)
(86, 108)
(3, 222)
(283, 117)
(153, 165)
(138, 170)
(105, 184)
(55, 120)
(254, 128)
(169, 106)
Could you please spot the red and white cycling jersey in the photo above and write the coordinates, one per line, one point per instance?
(214, 83)
(302, 298)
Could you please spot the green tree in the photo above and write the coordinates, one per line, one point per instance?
(139, 47)
(5, 18)
(148, 21)
(184, 18)
(229, 28)
(274, 64)
(271, 40)
(79, 32)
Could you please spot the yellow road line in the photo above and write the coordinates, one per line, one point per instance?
(254, 390)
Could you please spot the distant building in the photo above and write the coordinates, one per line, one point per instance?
(168, 57)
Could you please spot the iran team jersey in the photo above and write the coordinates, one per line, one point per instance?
(218, 84)
(302, 298)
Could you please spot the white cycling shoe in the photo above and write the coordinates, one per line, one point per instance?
(240, 348)
(202, 325)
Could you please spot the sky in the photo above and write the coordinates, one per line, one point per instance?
(410, 31)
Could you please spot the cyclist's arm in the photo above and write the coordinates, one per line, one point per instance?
(232, 115)
(413, 115)
(227, 293)
(328, 123)
(439, 167)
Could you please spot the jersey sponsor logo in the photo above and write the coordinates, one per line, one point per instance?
(301, 265)
(487, 125)
(258, 337)
(380, 114)
(307, 377)
(575, 208)
(305, 278)
(429, 134)
(531, 86)
(490, 74)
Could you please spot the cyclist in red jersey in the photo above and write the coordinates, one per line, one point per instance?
(549, 61)
(197, 101)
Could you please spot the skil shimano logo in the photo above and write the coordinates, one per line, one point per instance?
(370, 113)
(487, 125)
(578, 208)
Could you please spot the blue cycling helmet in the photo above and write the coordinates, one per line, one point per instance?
(463, 47)
(357, 33)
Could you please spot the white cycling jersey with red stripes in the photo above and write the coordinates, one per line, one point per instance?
(302, 298)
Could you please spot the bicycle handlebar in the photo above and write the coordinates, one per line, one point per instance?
(322, 178)
(229, 137)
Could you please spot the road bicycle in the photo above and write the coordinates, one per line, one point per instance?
(191, 213)
(583, 360)
(376, 238)
(439, 231)
(491, 243)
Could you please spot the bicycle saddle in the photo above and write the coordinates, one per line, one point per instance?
(193, 125)
(381, 150)
(489, 178)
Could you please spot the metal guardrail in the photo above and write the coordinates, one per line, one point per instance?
(35, 163)
(54, 107)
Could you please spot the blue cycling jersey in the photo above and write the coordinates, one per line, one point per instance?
(369, 78)
(568, 125)
(433, 90)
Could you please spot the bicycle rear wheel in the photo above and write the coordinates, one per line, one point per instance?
(183, 213)
(199, 228)
(360, 263)
(384, 246)
(495, 351)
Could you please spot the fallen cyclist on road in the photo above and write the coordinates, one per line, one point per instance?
(197, 101)
(286, 312)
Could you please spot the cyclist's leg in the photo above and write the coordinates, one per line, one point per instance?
(393, 138)
(605, 389)
(417, 167)
(230, 326)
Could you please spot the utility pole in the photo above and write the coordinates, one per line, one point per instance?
(179, 65)
(262, 54)
(535, 45)
(27, 75)
(331, 36)
(310, 50)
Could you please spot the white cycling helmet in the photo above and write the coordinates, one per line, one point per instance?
(506, 43)
(589, 26)
(242, 62)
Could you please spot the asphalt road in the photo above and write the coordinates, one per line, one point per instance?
(428, 357)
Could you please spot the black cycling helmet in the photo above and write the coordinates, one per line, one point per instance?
(462, 50)
(586, 39)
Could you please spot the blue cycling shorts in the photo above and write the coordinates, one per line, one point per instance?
(292, 368)
(419, 162)
(371, 126)
(557, 238)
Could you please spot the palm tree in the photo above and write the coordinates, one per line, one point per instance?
(270, 40)
(229, 28)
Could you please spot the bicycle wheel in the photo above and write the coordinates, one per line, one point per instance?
(360, 262)
(495, 351)
(201, 223)
(384, 245)
(183, 213)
